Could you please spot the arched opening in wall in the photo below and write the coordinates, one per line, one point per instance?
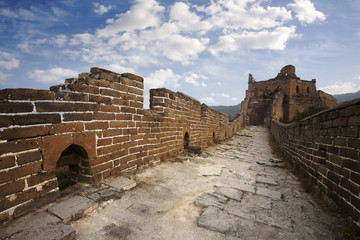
(297, 89)
(307, 90)
(214, 141)
(68, 165)
(186, 140)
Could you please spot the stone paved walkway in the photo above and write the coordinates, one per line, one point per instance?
(234, 190)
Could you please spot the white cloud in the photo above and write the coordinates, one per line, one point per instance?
(220, 95)
(274, 40)
(101, 9)
(58, 12)
(53, 76)
(120, 69)
(8, 13)
(24, 46)
(3, 76)
(244, 14)
(185, 20)
(83, 39)
(163, 78)
(143, 14)
(8, 61)
(235, 99)
(193, 79)
(60, 40)
(342, 87)
(208, 100)
(220, 84)
(306, 11)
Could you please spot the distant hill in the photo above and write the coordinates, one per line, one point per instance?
(347, 96)
(232, 111)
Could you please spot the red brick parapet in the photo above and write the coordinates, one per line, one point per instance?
(96, 126)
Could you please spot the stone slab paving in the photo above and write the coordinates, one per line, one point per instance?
(234, 190)
(50, 222)
(39, 226)
(72, 208)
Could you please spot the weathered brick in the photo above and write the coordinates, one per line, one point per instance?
(6, 121)
(83, 88)
(112, 132)
(123, 117)
(96, 125)
(54, 107)
(109, 92)
(354, 121)
(118, 124)
(104, 116)
(28, 157)
(32, 119)
(111, 108)
(11, 188)
(354, 143)
(24, 132)
(7, 161)
(26, 94)
(18, 146)
(66, 127)
(128, 110)
(351, 186)
(19, 172)
(36, 179)
(100, 99)
(86, 107)
(349, 153)
(78, 117)
(334, 177)
(16, 107)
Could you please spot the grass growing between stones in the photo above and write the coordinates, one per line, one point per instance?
(349, 230)
(63, 181)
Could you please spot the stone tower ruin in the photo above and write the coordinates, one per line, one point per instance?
(282, 97)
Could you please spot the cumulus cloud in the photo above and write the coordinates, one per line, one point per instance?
(53, 75)
(3, 77)
(306, 12)
(60, 40)
(8, 61)
(101, 9)
(143, 14)
(120, 69)
(183, 31)
(220, 95)
(342, 87)
(274, 40)
(195, 79)
(208, 100)
(163, 78)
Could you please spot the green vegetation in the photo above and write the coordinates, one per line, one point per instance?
(302, 115)
(63, 181)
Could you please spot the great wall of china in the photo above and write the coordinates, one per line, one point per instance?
(95, 126)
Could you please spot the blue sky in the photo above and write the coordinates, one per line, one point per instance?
(204, 48)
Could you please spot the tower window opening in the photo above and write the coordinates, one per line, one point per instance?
(186, 140)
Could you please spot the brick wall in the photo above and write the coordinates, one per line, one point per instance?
(327, 147)
(94, 126)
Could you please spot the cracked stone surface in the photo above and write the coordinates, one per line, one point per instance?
(234, 190)
(41, 226)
